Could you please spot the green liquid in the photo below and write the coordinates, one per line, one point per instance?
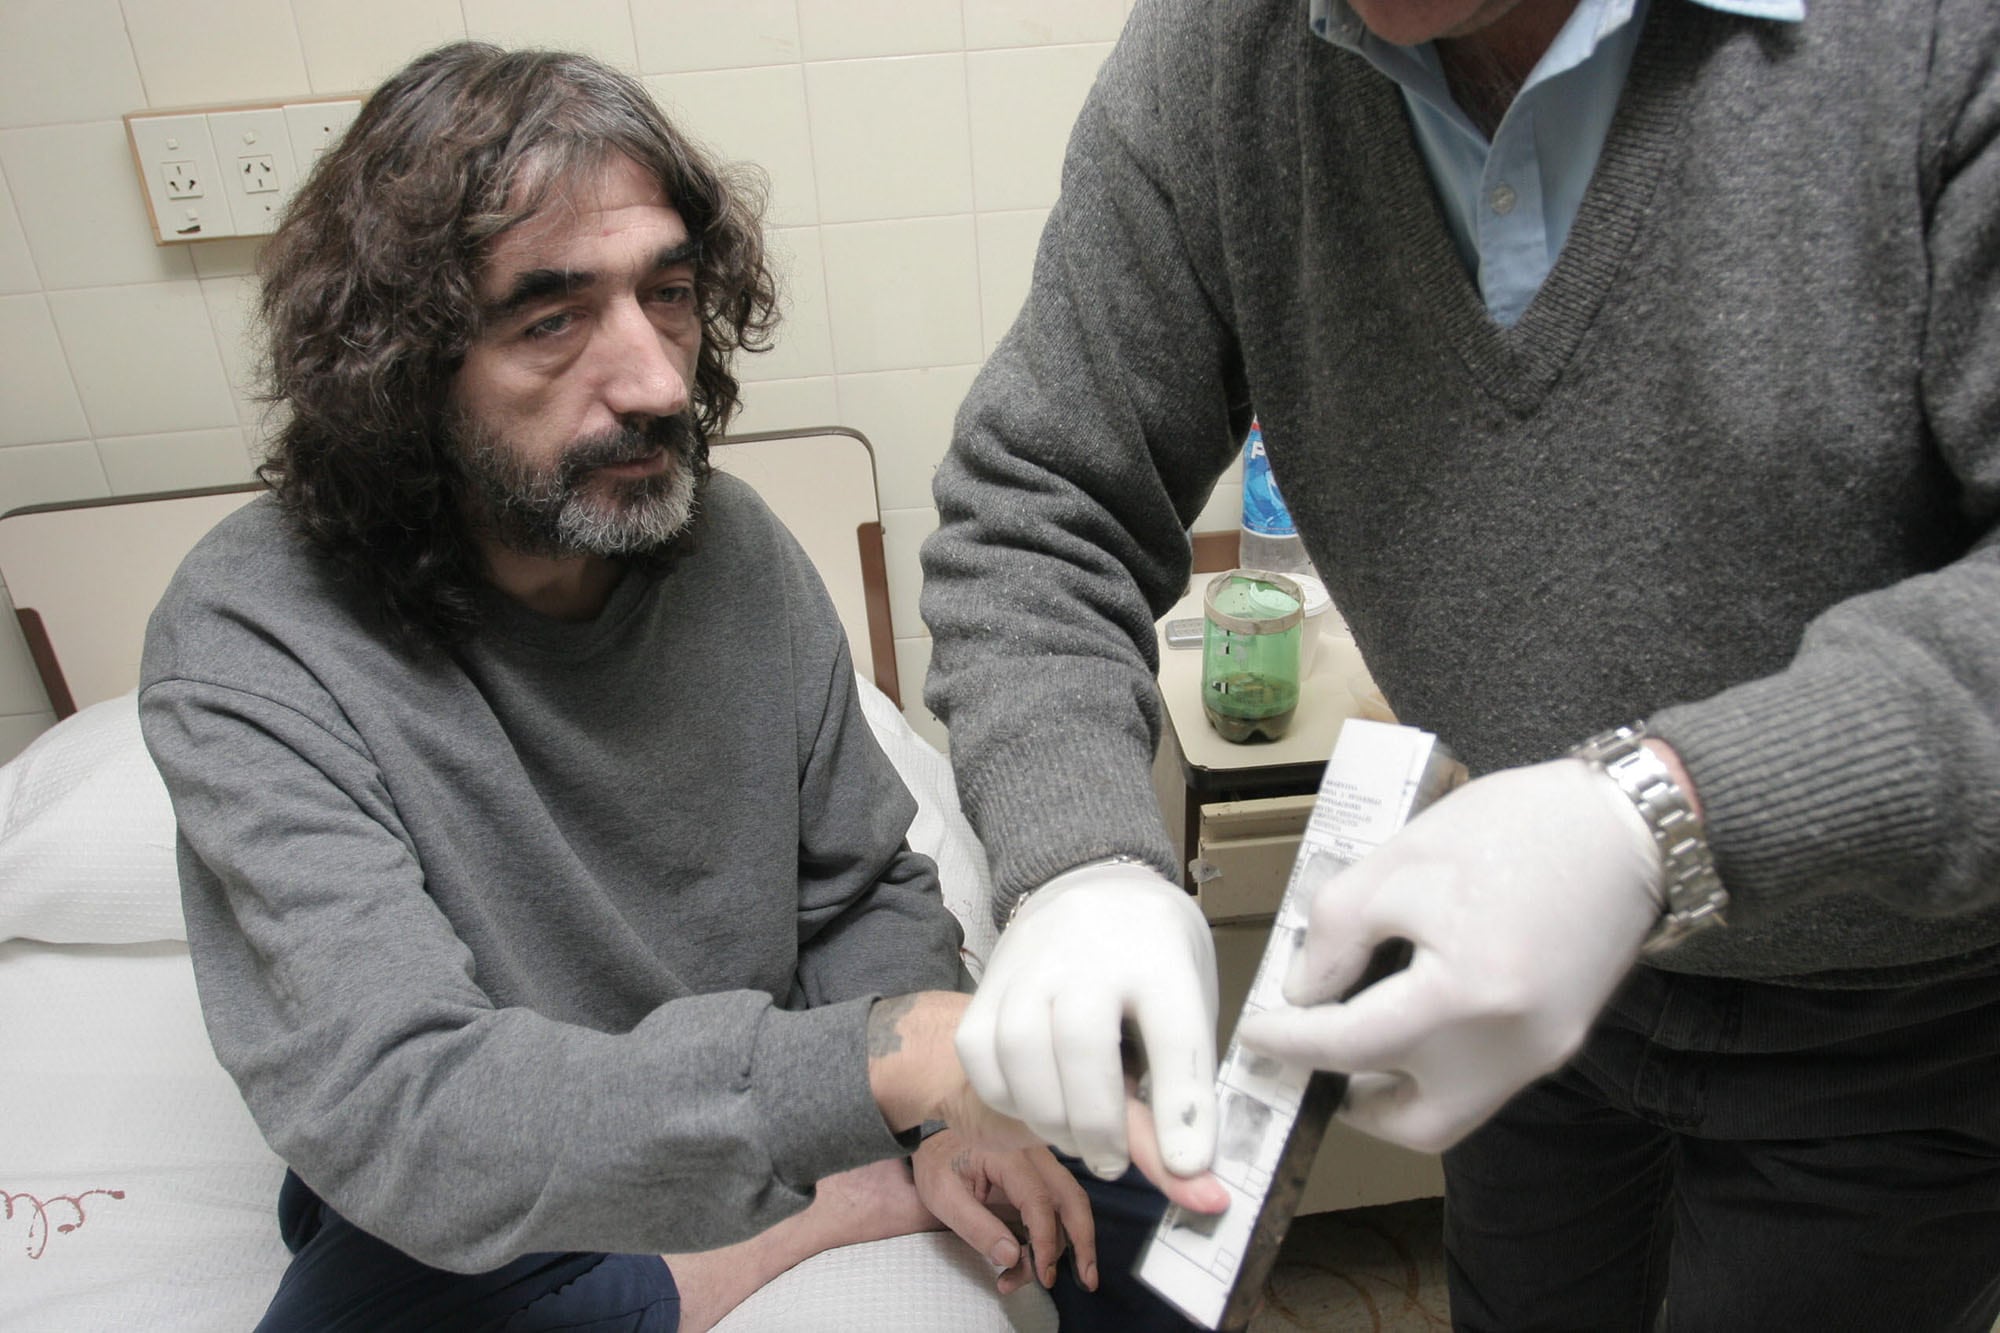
(1243, 706)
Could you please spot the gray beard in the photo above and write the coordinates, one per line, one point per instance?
(559, 511)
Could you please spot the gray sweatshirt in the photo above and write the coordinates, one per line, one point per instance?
(565, 940)
(1734, 472)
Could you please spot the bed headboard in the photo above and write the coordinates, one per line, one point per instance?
(86, 575)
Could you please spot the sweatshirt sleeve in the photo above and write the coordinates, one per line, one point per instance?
(1871, 764)
(872, 919)
(1088, 443)
(462, 1132)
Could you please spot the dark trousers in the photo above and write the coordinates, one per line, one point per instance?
(342, 1278)
(1758, 1157)
(1124, 1212)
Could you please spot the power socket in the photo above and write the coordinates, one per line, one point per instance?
(255, 148)
(184, 188)
(230, 170)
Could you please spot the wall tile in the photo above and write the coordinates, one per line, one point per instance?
(232, 314)
(805, 343)
(714, 34)
(19, 731)
(33, 474)
(756, 116)
(902, 294)
(787, 405)
(1023, 104)
(139, 464)
(844, 29)
(602, 28)
(77, 194)
(1224, 511)
(227, 259)
(224, 51)
(17, 266)
(890, 138)
(1007, 244)
(352, 45)
(144, 358)
(906, 415)
(913, 661)
(903, 532)
(65, 60)
(41, 405)
(1042, 22)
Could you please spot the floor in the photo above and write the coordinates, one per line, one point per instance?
(1366, 1270)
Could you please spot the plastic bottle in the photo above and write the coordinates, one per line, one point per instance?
(1268, 539)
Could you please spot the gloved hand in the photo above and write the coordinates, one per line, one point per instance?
(1526, 895)
(1040, 1041)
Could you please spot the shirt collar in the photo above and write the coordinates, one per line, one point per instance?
(1337, 23)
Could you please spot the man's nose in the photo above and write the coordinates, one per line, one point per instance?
(643, 373)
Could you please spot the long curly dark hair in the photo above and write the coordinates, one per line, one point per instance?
(369, 298)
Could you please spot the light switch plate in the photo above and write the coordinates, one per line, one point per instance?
(317, 126)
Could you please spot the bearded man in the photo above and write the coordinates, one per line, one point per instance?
(543, 879)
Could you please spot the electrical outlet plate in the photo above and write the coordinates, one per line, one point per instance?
(177, 167)
(254, 150)
(317, 126)
(230, 170)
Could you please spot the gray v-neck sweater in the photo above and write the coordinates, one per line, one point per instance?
(1735, 471)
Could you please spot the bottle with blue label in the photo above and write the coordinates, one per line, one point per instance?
(1269, 539)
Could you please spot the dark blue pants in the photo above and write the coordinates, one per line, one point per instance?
(342, 1278)
(1758, 1157)
(1124, 1211)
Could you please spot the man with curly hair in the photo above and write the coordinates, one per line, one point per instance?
(543, 879)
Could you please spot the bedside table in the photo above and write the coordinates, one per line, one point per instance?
(1236, 813)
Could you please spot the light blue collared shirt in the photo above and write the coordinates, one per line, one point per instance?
(1510, 203)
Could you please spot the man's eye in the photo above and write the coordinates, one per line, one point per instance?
(679, 293)
(548, 328)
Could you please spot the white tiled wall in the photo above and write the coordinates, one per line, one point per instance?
(912, 148)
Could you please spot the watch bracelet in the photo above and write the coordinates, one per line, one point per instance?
(1692, 897)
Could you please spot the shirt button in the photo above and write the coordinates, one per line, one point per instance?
(1503, 199)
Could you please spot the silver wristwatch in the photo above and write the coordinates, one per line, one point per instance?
(1692, 892)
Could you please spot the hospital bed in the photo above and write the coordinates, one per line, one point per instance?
(135, 1192)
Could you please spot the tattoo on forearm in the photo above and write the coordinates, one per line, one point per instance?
(883, 1019)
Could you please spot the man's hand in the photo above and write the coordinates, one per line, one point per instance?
(914, 1071)
(984, 1196)
(1526, 895)
(1089, 950)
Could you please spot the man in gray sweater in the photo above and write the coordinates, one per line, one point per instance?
(1633, 373)
(543, 879)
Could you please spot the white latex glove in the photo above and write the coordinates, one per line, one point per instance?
(1526, 895)
(1040, 1041)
